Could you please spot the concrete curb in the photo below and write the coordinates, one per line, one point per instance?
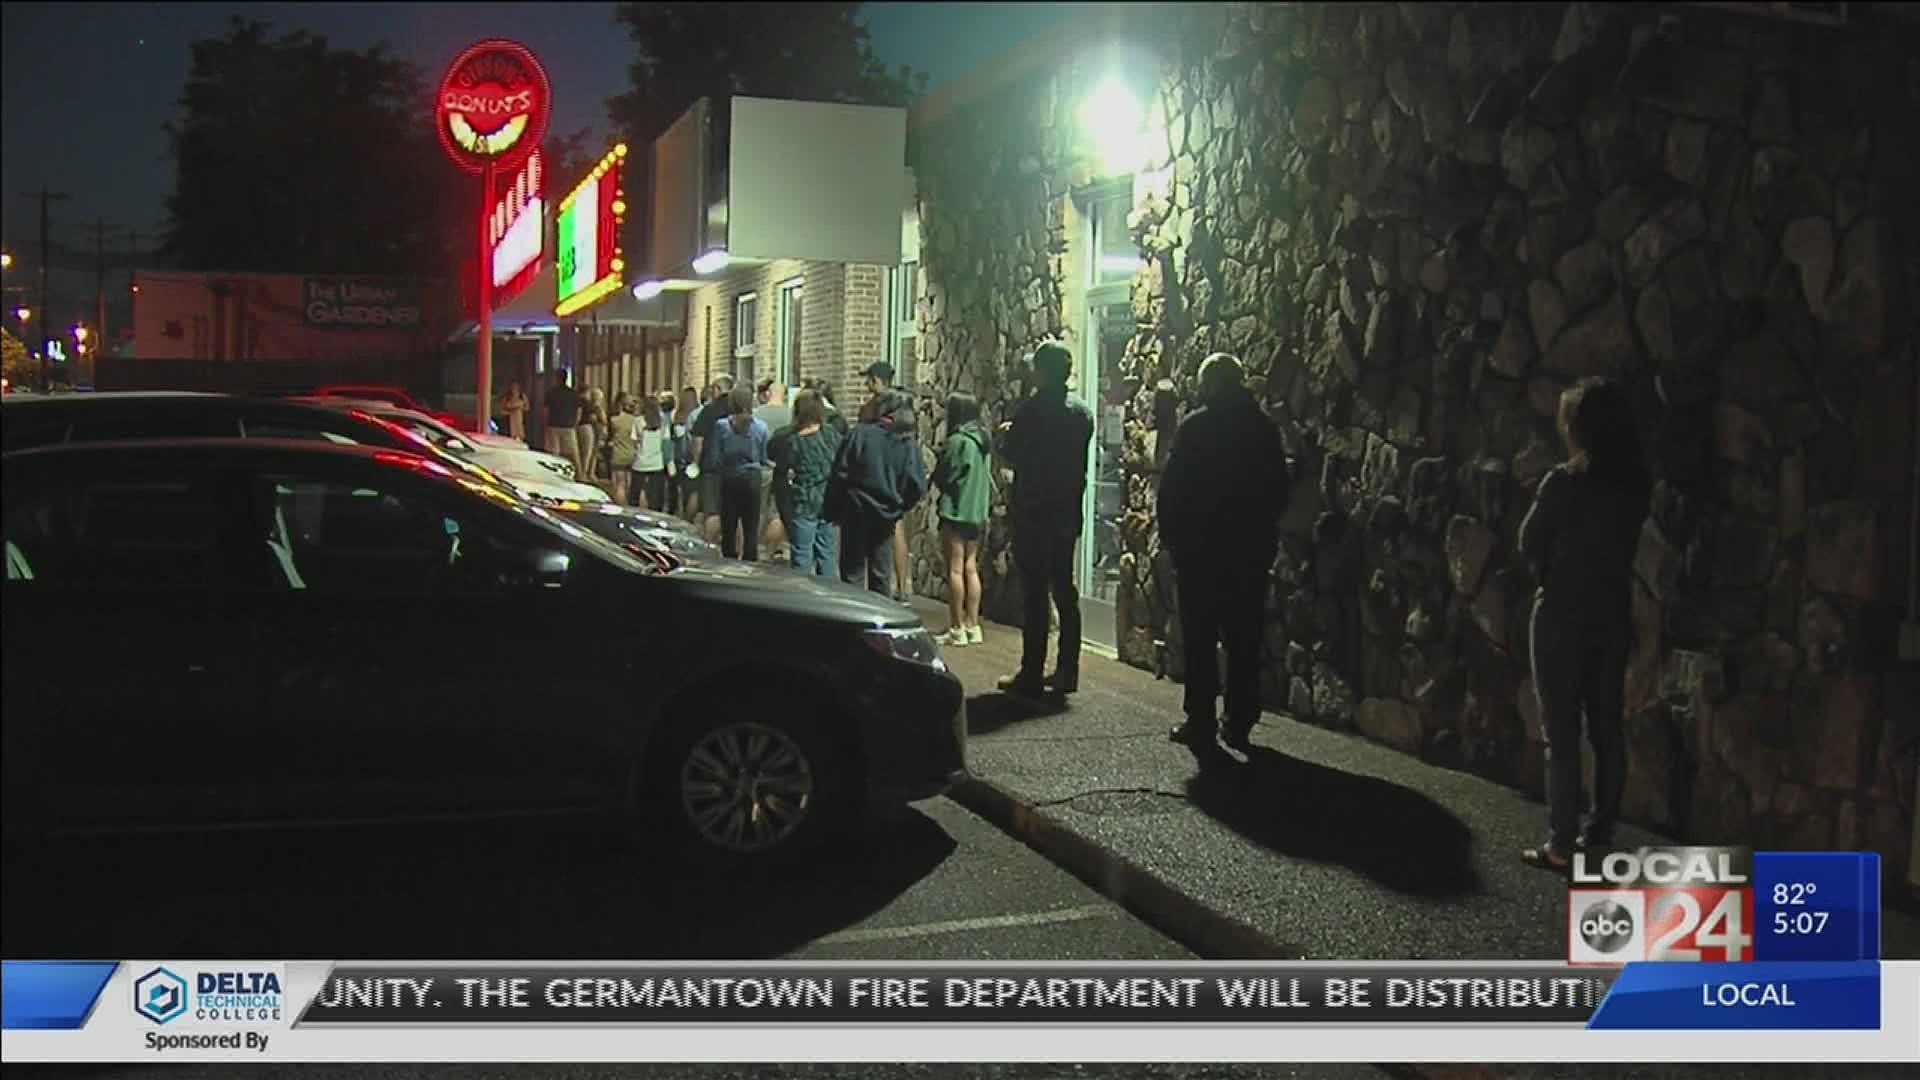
(1155, 901)
(1152, 899)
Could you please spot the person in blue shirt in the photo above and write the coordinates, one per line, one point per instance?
(739, 454)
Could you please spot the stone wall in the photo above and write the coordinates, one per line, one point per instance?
(1418, 223)
(992, 182)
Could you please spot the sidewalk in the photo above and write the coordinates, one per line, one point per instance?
(1318, 845)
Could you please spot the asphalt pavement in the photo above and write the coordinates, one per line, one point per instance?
(1327, 845)
(931, 882)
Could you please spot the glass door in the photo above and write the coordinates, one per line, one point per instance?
(1114, 260)
(1111, 328)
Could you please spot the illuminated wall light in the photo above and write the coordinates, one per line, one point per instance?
(1120, 264)
(1113, 117)
(647, 290)
(712, 262)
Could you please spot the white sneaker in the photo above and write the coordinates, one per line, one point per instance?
(974, 636)
(954, 638)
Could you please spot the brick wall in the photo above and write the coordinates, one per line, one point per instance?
(866, 322)
(843, 322)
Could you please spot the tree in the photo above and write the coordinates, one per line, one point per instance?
(19, 367)
(814, 52)
(294, 156)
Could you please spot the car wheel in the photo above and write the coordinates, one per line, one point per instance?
(746, 792)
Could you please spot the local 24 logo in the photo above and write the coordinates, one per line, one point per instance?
(1665, 903)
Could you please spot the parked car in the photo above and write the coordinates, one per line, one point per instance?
(399, 398)
(514, 458)
(154, 414)
(207, 632)
(625, 525)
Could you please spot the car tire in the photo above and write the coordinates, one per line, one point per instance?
(794, 789)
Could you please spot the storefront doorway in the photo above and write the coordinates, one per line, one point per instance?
(1114, 262)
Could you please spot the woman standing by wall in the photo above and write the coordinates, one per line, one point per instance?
(806, 462)
(1581, 535)
(739, 455)
(965, 486)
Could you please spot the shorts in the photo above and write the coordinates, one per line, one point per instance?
(961, 530)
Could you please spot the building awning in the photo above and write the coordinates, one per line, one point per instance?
(531, 312)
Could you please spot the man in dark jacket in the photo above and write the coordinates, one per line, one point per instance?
(1221, 498)
(877, 477)
(1046, 443)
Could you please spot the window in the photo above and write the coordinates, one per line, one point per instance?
(151, 423)
(117, 534)
(903, 321)
(792, 311)
(745, 310)
(340, 536)
(1116, 258)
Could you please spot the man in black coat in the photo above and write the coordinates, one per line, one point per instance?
(1221, 498)
(1046, 443)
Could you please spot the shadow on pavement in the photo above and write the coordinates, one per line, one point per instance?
(523, 890)
(1393, 835)
(993, 711)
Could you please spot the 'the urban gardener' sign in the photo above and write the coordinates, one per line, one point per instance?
(362, 304)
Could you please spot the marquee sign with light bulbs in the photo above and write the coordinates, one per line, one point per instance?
(588, 262)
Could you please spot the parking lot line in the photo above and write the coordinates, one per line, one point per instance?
(961, 926)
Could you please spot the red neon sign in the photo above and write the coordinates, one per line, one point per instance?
(516, 232)
(492, 106)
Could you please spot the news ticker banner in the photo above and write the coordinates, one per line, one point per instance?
(379, 1011)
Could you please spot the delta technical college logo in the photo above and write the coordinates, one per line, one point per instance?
(493, 105)
(160, 996)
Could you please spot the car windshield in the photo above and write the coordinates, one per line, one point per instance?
(618, 554)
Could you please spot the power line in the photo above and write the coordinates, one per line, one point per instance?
(47, 198)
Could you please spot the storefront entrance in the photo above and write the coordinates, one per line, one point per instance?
(1110, 327)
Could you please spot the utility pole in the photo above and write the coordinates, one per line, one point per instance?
(100, 228)
(46, 198)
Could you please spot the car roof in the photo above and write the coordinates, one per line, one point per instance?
(220, 446)
(112, 395)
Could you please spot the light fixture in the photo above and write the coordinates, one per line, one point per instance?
(712, 262)
(23, 314)
(1113, 117)
(649, 289)
(1120, 264)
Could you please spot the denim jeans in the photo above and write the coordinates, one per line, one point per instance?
(1044, 558)
(1580, 678)
(866, 554)
(811, 541)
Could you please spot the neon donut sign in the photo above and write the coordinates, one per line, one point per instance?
(492, 106)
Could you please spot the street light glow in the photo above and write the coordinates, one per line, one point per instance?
(23, 314)
(6, 260)
(1113, 117)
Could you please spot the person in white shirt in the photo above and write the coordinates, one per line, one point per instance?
(651, 456)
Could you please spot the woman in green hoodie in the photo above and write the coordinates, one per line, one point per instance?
(966, 487)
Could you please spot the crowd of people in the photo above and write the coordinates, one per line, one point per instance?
(757, 471)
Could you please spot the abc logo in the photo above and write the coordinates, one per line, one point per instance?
(1606, 926)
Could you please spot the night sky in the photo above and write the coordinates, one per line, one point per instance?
(88, 86)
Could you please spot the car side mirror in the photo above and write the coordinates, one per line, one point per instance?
(539, 569)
